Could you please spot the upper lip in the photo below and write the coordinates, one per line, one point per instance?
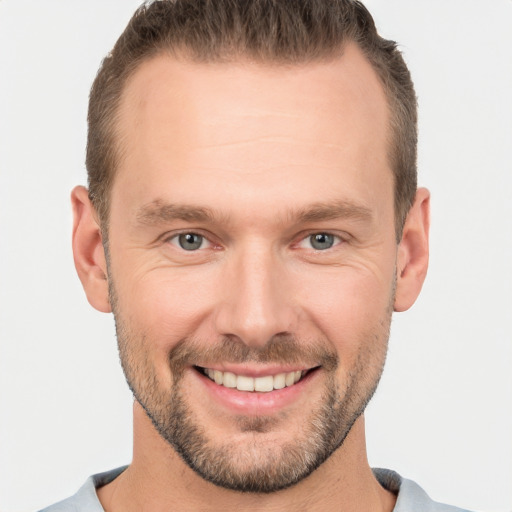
(252, 370)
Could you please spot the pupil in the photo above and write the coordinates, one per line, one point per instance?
(322, 241)
(190, 241)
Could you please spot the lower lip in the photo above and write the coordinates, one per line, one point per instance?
(255, 403)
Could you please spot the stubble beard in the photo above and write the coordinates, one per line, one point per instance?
(257, 467)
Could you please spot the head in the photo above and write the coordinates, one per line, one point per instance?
(253, 165)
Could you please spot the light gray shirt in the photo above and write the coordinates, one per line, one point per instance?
(410, 496)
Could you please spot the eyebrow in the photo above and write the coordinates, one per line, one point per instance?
(334, 210)
(159, 211)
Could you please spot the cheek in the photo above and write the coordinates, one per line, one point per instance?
(167, 304)
(349, 306)
(354, 314)
(157, 311)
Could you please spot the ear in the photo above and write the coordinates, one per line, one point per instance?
(88, 252)
(412, 259)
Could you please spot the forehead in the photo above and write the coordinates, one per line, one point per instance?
(253, 124)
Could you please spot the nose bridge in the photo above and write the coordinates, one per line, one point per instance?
(256, 304)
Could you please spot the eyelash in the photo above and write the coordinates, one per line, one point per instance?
(337, 240)
(174, 240)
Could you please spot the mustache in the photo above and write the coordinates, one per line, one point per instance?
(280, 349)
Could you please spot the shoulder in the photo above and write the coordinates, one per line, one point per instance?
(410, 496)
(86, 499)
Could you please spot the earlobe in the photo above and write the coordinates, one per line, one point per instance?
(412, 259)
(88, 252)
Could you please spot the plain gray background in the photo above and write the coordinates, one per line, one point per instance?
(443, 413)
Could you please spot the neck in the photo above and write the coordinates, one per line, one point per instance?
(159, 480)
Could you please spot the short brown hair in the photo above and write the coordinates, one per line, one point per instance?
(278, 31)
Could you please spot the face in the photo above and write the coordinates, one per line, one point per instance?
(252, 259)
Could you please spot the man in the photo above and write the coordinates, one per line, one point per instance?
(252, 221)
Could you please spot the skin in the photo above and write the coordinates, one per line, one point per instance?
(258, 146)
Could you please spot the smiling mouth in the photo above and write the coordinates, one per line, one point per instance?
(263, 384)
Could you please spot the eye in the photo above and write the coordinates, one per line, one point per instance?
(190, 241)
(320, 241)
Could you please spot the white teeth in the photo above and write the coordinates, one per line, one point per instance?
(229, 380)
(244, 383)
(289, 379)
(218, 376)
(280, 381)
(264, 384)
(260, 384)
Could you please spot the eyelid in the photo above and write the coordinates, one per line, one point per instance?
(207, 237)
(172, 239)
(304, 237)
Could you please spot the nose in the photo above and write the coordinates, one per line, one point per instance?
(256, 299)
